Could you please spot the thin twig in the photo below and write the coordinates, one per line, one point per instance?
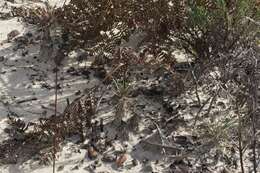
(55, 113)
(240, 145)
(201, 107)
(161, 145)
(211, 102)
(204, 104)
(159, 132)
(253, 87)
(252, 20)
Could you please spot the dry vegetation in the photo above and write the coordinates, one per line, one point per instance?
(220, 39)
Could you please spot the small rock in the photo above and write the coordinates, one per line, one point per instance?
(221, 104)
(154, 90)
(100, 73)
(75, 167)
(92, 153)
(12, 34)
(134, 162)
(78, 93)
(2, 58)
(97, 163)
(71, 70)
(24, 53)
(109, 158)
(60, 168)
(85, 73)
(29, 34)
(120, 160)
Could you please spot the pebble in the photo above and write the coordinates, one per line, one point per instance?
(100, 73)
(121, 160)
(75, 167)
(12, 34)
(78, 93)
(109, 158)
(60, 168)
(2, 58)
(92, 153)
(134, 162)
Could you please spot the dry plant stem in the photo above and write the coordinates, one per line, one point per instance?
(198, 113)
(100, 99)
(196, 84)
(252, 20)
(254, 143)
(196, 87)
(240, 145)
(204, 104)
(211, 102)
(197, 92)
(253, 88)
(252, 107)
(55, 113)
(161, 145)
(160, 134)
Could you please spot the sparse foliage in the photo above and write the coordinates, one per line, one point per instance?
(218, 36)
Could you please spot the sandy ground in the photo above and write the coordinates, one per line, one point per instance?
(25, 77)
(27, 89)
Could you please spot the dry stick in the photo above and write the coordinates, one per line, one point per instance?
(252, 20)
(161, 145)
(197, 115)
(211, 102)
(254, 142)
(253, 114)
(240, 147)
(196, 87)
(55, 113)
(160, 133)
(204, 104)
(253, 108)
(26, 100)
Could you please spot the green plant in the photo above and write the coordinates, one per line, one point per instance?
(121, 87)
(211, 28)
